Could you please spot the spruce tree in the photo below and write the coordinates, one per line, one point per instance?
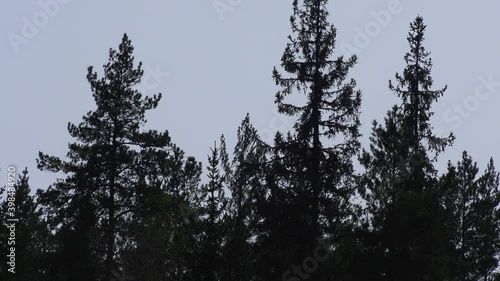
(331, 110)
(318, 154)
(404, 208)
(213, 214)
(244, 176)
(414, 88)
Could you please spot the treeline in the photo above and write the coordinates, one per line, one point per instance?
(132, 206)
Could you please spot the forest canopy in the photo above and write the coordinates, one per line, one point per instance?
(132, 206)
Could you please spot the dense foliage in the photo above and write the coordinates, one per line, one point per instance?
(132, 206)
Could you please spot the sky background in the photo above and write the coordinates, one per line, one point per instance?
(219, 65)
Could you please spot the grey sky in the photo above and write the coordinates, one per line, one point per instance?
(219, 67)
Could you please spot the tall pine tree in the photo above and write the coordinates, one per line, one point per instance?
(245, 178)
(105, 167)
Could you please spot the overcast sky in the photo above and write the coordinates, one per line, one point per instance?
(212, 61)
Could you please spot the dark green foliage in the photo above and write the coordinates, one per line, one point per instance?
(414, 87)
(404, 208)
(32, 240)
(308, 181)
(113, 168)
(131, 205)
(244, 176)
(164, 244)
(213, 213)
(473, 201)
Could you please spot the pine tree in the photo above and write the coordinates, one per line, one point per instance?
(105, 170)
(474, 202)
(488, 220)
(165, 231)
(244, 177)
(387, 167)
(281, 224)
(166, 240)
